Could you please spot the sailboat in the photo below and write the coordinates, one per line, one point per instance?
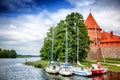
(65, 68)
(97, 68)
(53, 67)
(81, 70)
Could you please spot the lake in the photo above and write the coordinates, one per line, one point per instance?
(13, 69)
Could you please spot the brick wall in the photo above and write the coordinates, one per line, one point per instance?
(108, 52)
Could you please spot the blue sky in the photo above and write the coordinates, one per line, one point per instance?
(24, 23)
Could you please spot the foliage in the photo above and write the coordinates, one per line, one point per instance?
(72, 22)
(8, 53)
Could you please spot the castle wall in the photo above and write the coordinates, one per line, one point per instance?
(111, 52)
(106, 52)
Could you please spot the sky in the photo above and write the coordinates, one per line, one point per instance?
(24, 23)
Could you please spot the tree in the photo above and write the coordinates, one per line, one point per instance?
(7, 53)
(45, 50)
(73, 22)
(13, 53)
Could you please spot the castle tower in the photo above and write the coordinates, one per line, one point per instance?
(94, 30)
(108, 42)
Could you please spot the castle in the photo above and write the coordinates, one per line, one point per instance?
(107, 41)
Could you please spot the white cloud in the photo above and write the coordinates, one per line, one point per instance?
(79, 3)
(25, 32)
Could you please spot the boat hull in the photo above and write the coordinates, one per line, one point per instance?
(52, 70)
(101, 70)
(82, 72)
(65, 72)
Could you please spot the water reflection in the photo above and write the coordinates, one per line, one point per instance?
(74, 77)
(113, 75)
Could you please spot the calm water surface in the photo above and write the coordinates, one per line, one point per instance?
(13, 69)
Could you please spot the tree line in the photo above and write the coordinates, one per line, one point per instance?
(73, 22)
(7, 53)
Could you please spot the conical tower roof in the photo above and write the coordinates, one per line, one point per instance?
(91, 23)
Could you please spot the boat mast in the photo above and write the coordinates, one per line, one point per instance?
(77, 42)
(96, 41)
(52, 43)
(66, 55)
(98, 45)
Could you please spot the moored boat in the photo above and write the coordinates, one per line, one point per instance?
(53, 68)
(66, 69)
(98, 69)
(80, 70)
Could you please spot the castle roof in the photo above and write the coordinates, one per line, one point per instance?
(91, 23)
(109, 37)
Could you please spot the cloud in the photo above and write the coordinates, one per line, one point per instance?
(24, 32)
(79, 3)
(7, 6)
(108, 20)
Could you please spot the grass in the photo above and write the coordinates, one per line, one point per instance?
(112, 67)
(38, 64)
(111, 60)
(43, 64)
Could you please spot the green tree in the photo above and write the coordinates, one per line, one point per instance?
(7, 53)
(13, 54)
(73, 22)
(45, 50)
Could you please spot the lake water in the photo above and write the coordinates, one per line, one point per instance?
(13, 69)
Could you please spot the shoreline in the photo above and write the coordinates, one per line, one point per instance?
(44, 63)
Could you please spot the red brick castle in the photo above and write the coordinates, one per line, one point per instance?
(107, 41)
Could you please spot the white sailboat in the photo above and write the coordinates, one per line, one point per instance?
(65, 68)
(80, 71)
(53, 67)
(97, 68)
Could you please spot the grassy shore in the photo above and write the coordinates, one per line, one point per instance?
(43, 64)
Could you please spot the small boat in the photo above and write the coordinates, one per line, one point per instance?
(80, 70)
(65, 68)
(53, 68)
(98, 69)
